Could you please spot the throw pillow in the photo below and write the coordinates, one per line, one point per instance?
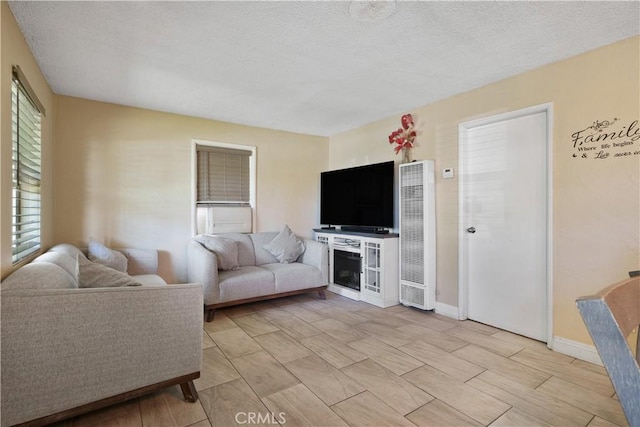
(226, 251)
(286, 247)
(93, 275)
(103, 255)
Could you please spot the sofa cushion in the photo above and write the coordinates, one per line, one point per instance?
(140, 261)
(61, 259)
(262, 255)
(93, 275)
(294, 276)
(39, 275)
(246, 254)
(103, 255)
(226, 251)
(286, 247)
(149, 280)
(247, 282)
(68, 249)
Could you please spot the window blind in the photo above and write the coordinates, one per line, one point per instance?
(26, 171)
(223, 176)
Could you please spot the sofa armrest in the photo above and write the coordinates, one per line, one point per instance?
(317, 255)
(62, 348)
(141, 261)
(202, 267)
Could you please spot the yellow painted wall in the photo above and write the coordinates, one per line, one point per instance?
(596, 203)
(15, 51)
(123, 176)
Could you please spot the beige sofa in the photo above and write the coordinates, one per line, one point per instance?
(68, 350)
(260, 275)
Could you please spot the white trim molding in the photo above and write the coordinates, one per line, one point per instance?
(581, 351)
(447, 310)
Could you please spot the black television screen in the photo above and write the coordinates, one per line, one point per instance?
(360, 196)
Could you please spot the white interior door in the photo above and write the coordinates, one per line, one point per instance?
(504, 222)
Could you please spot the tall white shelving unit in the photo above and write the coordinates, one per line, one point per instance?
(417, 235)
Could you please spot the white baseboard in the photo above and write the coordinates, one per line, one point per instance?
(446, 310)
(576, 349)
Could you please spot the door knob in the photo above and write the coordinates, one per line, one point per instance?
(471, 230)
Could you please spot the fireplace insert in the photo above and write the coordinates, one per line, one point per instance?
(346, 269)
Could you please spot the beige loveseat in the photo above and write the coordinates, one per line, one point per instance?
(259, 275)
(67, 350)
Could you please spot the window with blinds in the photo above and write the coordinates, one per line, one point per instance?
(26, 169)
(223, 176)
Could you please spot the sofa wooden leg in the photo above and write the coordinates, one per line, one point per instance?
(321, 294)
(189, 391)
(208, 314)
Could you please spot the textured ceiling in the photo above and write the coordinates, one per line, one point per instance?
(318, 68)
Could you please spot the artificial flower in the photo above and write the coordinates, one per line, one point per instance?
(405, 136)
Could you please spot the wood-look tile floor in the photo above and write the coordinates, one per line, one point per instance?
(301, 361)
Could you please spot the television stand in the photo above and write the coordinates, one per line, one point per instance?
(364, 229)
(373, 257)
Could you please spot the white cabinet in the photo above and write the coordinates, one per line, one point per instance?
(363, 267)
(371, 268)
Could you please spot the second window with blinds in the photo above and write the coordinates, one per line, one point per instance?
(26, 113)
(224, 187)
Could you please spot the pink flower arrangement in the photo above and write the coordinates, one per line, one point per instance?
(405, 136)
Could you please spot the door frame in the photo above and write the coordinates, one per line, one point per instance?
(463, 280)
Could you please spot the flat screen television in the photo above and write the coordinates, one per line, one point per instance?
(358, 197)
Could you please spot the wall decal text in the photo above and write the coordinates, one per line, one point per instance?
(606, 139)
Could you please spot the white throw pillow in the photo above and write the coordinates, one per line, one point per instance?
(103, 255)
(93, 275)
(286, 247)
(226, 251)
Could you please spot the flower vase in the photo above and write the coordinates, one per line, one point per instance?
(406, 155)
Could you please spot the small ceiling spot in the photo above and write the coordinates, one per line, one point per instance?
(371, 11)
